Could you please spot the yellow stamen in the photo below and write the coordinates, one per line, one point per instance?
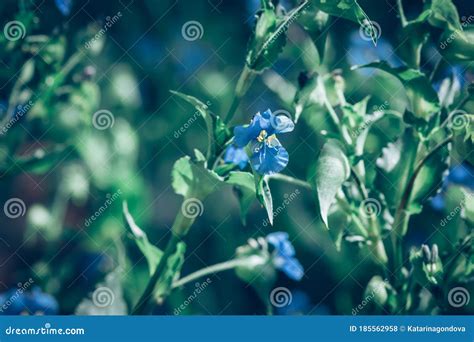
(262, 136)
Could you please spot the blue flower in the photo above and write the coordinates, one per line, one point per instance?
(16, 302)
(284, 255)
(268, 155)
(64, 6)
(237, 156)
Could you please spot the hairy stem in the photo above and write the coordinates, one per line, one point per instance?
(220, 267)
(143, 302)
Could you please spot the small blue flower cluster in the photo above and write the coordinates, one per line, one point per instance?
(268, 155)
(64, 6)
(284, 255)
(15, 302)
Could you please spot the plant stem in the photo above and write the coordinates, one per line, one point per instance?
(401, 12)
(223, 266)
(142, 304)
(291, 180)
(401, 216)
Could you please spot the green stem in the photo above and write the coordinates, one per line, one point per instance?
(243, 84)
(291, 180)
(143, 302)
(401, 12)
(401, 216)
(220, 267)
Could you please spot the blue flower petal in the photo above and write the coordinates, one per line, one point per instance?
(293, 269)
(269, 158)
(282, 124)
(64, 6)
(280, 241)
(245, 134)
(237, 156)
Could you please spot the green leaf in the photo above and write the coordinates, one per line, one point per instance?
(151, 253)
(348, 9)
(193, 180)
(328, 174)
(315, 23)
(395, 167)
(463, 137)
(174, 265)
(244, 186)
(468, 206)
(264, 195)
(423, 100)
(457, 46)
(429, 180)
(216, 129)
(444, 15)
(413, 36)
(270, 37)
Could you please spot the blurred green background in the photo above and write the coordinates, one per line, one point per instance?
(143, 57)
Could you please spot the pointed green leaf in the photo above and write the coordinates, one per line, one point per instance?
(328, 174)
(270, 37)
(173, 270)
(193, 180)
(348, 9)
(264, 195)
(423, 99)
(151, 253)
